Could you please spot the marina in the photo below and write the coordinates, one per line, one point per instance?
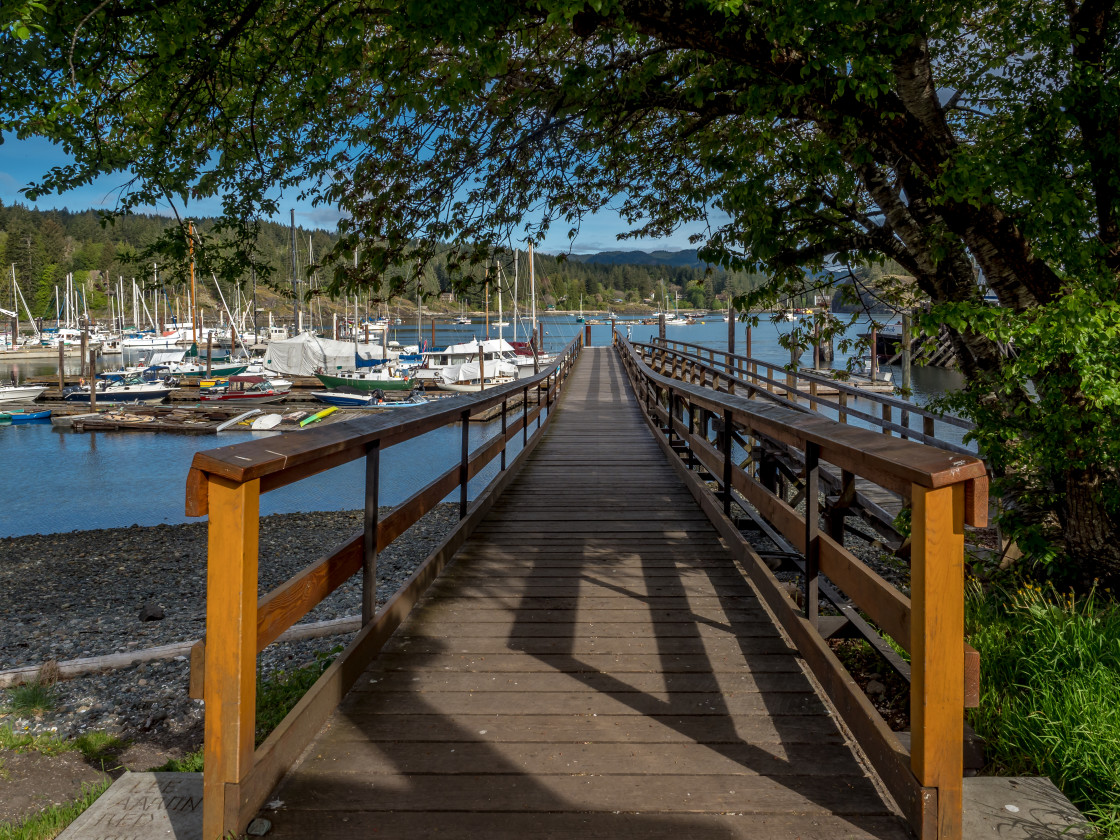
(90, 453)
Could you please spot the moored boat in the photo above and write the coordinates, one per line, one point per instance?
(17, 417)
(120, 389)
(371, 399)
(374, 379)
(21, 393)
(249, 389)
(468, 377)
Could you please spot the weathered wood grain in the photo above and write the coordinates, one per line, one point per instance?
(590, 652)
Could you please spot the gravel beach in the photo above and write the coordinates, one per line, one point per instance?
(79, 594)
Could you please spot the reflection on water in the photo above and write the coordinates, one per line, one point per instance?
(58, 480)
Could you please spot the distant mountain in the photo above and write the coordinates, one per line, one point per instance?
(675, 259)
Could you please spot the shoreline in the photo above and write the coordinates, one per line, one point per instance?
(80, 594)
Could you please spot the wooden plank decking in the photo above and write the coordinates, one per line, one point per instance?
(592, 665)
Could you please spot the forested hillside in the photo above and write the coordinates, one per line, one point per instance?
(44, 246)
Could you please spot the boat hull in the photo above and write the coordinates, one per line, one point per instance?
(334, 382)
(123, 396)
(343, 400)
(20, 393)
(472, 387)
(245, 399)
(18, 417)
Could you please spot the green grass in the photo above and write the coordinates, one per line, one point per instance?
(276, 696)
(99, 746)
(31, 699)
(45, 744)
(49, 823)
(1050, 692)
(190, 763)
(95, 746)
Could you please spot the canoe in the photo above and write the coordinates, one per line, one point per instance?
(17, 417)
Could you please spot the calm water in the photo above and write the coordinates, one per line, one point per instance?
(57, 480)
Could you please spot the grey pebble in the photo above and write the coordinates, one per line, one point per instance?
(86, 585)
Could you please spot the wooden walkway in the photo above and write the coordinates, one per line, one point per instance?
(591, 665)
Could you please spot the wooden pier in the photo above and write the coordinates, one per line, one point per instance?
(593, 664)
(596, 651)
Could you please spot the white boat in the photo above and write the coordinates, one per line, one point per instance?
(120, 389)
(20, 393)
(165, 339)
(468, 376)
(862, 367)
(456, 354)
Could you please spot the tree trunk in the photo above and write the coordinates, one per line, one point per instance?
(1090, 531)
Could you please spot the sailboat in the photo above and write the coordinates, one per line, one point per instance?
(579, 318)
(463, 317)
(676, 320)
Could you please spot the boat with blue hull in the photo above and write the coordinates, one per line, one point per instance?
(18, 417)
(373, 399)
(120, 389)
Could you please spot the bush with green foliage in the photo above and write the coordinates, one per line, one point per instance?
(1050, 690)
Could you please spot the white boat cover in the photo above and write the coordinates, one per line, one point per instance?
(167, 356)
(304, 354)
(468, 371)
(491, 345)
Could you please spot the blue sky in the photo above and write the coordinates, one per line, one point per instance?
(22, 161)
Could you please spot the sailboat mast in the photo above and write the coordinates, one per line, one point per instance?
(194, 300)
(15, 309)
(516, 260)
(533, 337)
(295, 282)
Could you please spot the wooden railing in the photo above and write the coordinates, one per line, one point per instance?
(226, 484)
(700, 428)
(801, 390)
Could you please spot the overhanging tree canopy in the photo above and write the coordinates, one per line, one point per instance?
(940, 135)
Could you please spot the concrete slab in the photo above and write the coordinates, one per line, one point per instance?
(144, 806)
(1019, 808)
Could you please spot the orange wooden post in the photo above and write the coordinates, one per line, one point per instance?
(231, 651)
(937, 649)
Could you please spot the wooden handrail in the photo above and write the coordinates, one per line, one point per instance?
(744, 371)
(226, 483)
(947, 491)
(278, 462)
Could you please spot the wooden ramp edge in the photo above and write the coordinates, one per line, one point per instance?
(592, 664)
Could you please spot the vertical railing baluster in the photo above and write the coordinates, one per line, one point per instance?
(839, 511)
(812, 531)
(464, 463)
(937, 648)
(525, 416)
(503, 434)
(369, 537)
(230, 685)
(727, 464)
